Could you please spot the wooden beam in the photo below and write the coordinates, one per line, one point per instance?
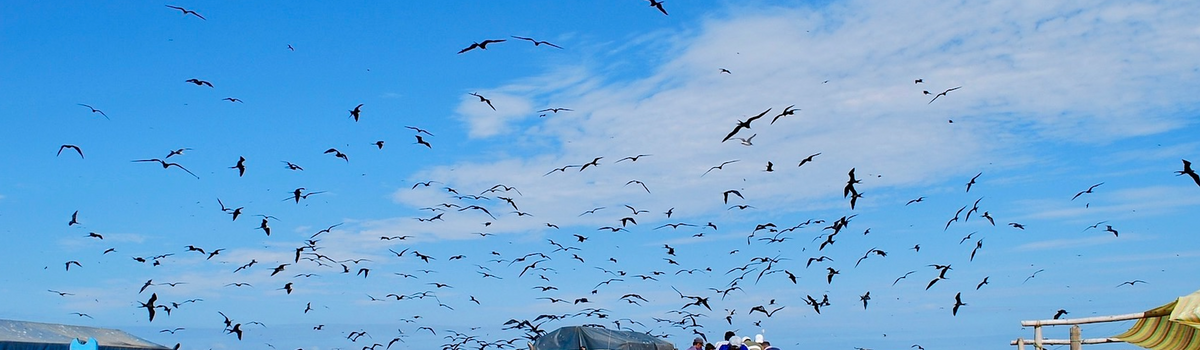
(1068, 341)
(1098, 319)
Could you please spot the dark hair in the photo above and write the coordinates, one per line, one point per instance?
(728, 334)
(709, 346)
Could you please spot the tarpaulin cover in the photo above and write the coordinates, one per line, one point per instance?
(597, 338)
(20, 335)
(1173, 326)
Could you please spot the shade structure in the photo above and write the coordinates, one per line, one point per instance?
(598, 338)
(1174, 326)
(21, 335)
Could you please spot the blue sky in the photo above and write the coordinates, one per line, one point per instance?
(1055, 98)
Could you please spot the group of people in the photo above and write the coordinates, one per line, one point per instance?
(732, 342)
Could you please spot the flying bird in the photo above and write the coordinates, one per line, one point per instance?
(720, 167)
(1089, 190)
(240, 166)
(94, 110)
(972, 182)
(338, 154)
(484, 100)
(744, 124)
(187, 12)
(167, 165)
(536, 42)
(957, 302)
(354, 113)
(481, 45)
(199, 82)
(658, 5)
(421, 141)
(807, 159)
(74, 147)
(943, 93)
(1187, 170)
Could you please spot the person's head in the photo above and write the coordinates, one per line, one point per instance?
(699, 341)
(766, 344)
(729, 336)
(709, 346)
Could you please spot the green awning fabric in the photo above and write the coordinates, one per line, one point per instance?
(1174, 326)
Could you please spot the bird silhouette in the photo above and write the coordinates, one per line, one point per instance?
(167, 165)
(199, 82)
(957, 302)
(338, 154)
(73, 147)
(536, 42)
(240, 166)
(484, 100)
(481, 45)
(744, 124)
(943, 93)
(187, 12)
(354, 113)
(1187, 170)
(94, 110)
(658, 4)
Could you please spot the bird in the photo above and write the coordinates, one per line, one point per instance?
(338, 154)
(747, 141)
(421, 141)
(419, 130)
(1187, 170)
(1016, 225)
(82, 315)
(659, 5)
(594, 162)
(231, 99)
(536, 42)
(807, 159)
(972, 182)
(918, 81)
(918, 200)
(378, 144)
(957, 302)
(639, 183)
(199, 82)
(72, 262)
(167, 165)
(632, 159)
(481, 45)
(74, 147)
(176, 152)
(744, 124)
(187, 12)
(293, 166)
(94, 110)
(354, 113)
(483, 99)
(981, 283)
(789, 110)
(240, 166)
(1032, 275)
(720, 167)
(1109, 228)
(734, 192)
(865, 298)
(726, 71)
(278, 269)
(1131, 283)
(1089, 190)
(1059, 313)
(943, 93)
(149, 305)
(829, 277)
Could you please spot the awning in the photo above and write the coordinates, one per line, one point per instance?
(1174, 326)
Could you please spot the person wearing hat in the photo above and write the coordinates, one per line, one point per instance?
(733, 342)
(697, 344)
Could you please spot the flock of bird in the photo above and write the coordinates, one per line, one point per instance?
(565, 255)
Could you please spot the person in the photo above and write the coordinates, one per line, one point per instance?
(766, 345)
(733, 342)
(697, 344)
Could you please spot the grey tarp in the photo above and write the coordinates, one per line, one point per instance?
(20, 335)
(597, 338)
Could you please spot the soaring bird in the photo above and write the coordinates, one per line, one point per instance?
(167, 165)
(199, 82)
(807, 159)
(972, 182)
(1089, 190)
(537, 42)
(482, 45)
(355, 112)
(187, 12)
(1187, 170)
(240, 166)
(74, 147)
(484, 100)
(957, 302)
(94, 110)
(658, 5)
(421, 141)
(744, 124)
(943, 93)
(338, 154)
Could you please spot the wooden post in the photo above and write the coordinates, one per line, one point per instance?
(1020, 343)
(1076, 338)
(1037, 338)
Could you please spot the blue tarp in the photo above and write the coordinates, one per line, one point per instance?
(21, 335)
(597, 338)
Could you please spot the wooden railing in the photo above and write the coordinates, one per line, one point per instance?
(1076, 341)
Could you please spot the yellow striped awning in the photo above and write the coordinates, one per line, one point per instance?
(1174, 326)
